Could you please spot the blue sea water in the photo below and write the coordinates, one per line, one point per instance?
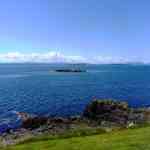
(37, 89)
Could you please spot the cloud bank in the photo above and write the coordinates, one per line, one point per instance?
(49, 57)
(55, 57)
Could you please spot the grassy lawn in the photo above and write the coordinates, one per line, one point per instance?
(130, 139)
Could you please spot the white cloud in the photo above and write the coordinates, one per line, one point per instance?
(57, 57)
(111, 60)
(49, 57)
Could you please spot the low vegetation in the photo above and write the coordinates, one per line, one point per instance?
(128, 139)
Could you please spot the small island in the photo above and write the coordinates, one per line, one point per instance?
(70, 70)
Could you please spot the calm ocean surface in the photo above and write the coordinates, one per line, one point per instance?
(35, 88)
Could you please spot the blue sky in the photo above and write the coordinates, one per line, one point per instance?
(75, 30)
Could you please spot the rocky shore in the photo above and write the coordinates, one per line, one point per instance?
(103, 114)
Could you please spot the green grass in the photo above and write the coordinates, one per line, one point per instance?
(129, 139)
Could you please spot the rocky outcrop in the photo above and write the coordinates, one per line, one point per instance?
(34, 122)
(30, 122)
(114, 111)
(107, 111)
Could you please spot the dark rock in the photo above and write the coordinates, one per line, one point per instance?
(59, 120)
(107, 111)
(24, 116)
(70, 70)
(35, 122)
